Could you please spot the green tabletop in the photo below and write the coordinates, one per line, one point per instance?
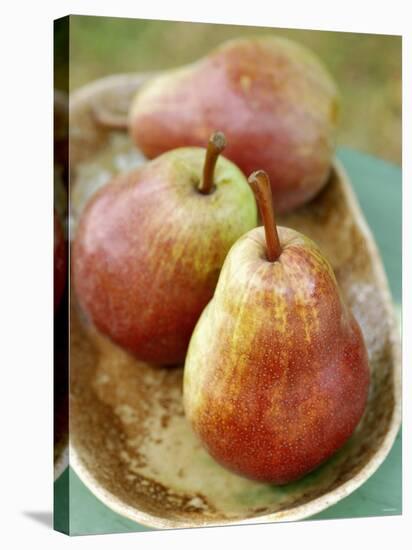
(378, 186)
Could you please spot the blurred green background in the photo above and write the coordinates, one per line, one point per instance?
(367, 67)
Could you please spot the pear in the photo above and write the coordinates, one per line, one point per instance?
(150, 245)
(276, 376)
(274, 100)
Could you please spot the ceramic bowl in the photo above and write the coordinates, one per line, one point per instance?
(130, 442)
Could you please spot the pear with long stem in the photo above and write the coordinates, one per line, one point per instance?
(276, 376)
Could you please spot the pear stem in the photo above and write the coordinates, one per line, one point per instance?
(260, 183)
(217, 143)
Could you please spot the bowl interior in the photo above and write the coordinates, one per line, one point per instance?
(130, 441)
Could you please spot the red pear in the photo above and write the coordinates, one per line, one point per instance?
(276, 376)
(150, 245)
(274, 100)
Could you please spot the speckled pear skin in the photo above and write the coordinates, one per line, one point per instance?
(276, 103)
(276, 377)
(149, 248)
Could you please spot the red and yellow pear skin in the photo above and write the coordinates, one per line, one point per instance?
(149, 249)
(276, 376)
(273, 99)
